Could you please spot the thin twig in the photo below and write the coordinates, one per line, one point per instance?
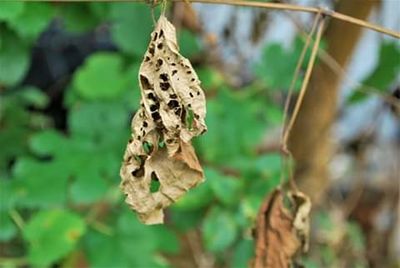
(324, 11)
(340, 72)
(299, 101)
(297, 72)
(285, 163)
(278, 6)
(305, 83)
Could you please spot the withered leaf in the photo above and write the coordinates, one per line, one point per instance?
(172, 113)
(277, 237)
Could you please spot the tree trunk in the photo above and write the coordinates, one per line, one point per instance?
(311, 141)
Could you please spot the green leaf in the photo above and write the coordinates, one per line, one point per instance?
(195, 198)
(10, 10)
(88, 187)
(248, 208)
(243, 254)
(133, 95)
(52, 235)
(79, 17)
(188, 43)
(131, 27)
(46, 142)
(276, 67)
(135, 243)
(33, 20)
(219, 230)
(185, 220)
(34, 96)
(309, 263)
(356, 236)
(8, 195)
(236, 123)
(100, 77)
(209, 78)
(388, 67)
(40, 184)
(7, 227)
(14, 59)
(89, 120)
(278, 64)
(168, 241)
(226, 189)
(384, 74)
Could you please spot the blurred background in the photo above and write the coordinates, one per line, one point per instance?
(69, 88)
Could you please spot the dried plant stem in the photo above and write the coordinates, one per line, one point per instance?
(278, 6)
(285, 161)
(304, 85)
(323, 11)
(299, 100)
(297, 72)
(339, 71)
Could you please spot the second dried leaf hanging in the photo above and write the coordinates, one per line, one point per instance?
(159, 163)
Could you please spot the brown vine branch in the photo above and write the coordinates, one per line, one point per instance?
(296, 75)
(303, 89)
(323, 11)
(288, 127)
(279, 6)
(283, 146)
(339, 71)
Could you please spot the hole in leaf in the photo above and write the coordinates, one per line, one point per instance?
(164, 77)
(151, 50)
(189, 118)
(154, 107)
(147, 147)
(139, 159)
(159, 63)
(156, 116)
(138, 172)
(164, 86)
(161, 144)
(151, 97)
(154, 183)
(173, 104)
(145, 82)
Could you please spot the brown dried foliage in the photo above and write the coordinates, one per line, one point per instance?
(281, 234)
(172, 113)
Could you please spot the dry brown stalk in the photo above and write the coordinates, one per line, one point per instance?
(305, 83)
(323, 11)
(278, 6)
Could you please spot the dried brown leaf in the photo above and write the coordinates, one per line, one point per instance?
(277, 238)
(172, 113)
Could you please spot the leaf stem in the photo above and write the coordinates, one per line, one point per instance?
(17, 218)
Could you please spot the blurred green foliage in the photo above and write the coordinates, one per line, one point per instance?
(384, 74)
(59, 187)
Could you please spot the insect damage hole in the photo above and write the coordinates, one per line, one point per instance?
(154, 183)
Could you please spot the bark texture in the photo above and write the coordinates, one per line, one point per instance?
(311, 141)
